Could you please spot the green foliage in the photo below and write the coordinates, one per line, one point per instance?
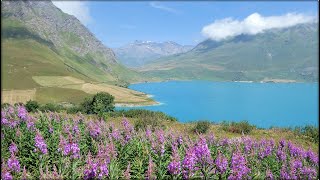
(202, 127)
(18, 104)
(3, 105)
(144, 123)
(100, 103)
(309, 131)
(51, 107)
(237, 127)
(143, 114)
(73, 109)
(32, 106)
(242, 58)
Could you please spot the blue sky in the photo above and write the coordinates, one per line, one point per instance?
(118, 23)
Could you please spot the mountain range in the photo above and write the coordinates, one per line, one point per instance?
(289, 54)
(49, 55)
(139, 53)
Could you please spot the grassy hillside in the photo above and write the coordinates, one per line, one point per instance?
(26, 58)
(289, 54)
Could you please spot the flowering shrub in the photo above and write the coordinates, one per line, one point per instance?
(64, 146)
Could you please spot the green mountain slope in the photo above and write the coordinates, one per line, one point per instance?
(290, 54)
(39, 40)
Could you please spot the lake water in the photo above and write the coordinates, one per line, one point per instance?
(262, 104)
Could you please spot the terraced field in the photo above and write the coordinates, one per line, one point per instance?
(70, 89)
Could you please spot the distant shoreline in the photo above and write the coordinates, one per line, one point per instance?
(137, 105)
(278, 81)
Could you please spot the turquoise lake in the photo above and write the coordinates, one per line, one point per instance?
(261, 104)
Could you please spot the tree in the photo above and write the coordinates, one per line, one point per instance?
(32, 106)
(100, 103)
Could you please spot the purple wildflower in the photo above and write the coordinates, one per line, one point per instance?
(6, 175)
(13, 148)
(247, 145)
(30, 124)
(13, 163)
(73, 150)
(308, 173)
(40, 143)
(175, 165)
(161, 140)
(128, 129)
(281, 155)
(269, 175)
(221, 163)
(283, 173)
(312, 157)
(282, 143)
(75, 129)
(91, 169)
(150, 171)
(115, 134)
(238, 166)
(104, 172)
(94, 129)
(180, 140)
(126, 174)
(148, 133)
(22, 112)
(188, 163)
(202, 152)
(50, 130)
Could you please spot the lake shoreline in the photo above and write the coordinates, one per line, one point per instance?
(260, 82)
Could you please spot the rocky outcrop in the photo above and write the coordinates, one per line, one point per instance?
(63, 30)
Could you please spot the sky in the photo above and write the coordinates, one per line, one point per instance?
(187, 23)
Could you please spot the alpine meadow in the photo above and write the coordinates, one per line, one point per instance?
(159, 90)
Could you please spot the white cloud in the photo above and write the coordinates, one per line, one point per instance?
(157, 5)
(253, 24)
(79, 9)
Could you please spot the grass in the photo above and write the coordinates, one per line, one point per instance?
(58, 95)
(122, 95)
(217, 129)
(14, 96)
(30, 62)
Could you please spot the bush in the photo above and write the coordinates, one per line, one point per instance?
(238, 127)
(311, 132)
(142, 113)
(18, 104)
(98, 104)
(73, 109)
(144, 123)
(4, 105)
(51, 107)
(202, 127)
(32, 106)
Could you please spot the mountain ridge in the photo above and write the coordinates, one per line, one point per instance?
(288, 53)
(46, 53)
(140, 52)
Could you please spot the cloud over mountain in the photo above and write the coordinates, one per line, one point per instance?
(253, 24)
(79, 9)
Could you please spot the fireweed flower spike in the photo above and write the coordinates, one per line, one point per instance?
(22, 112)
(188, 163)
(13, 148)
(126, 174)
(150, 170)
(174, 166)
(13, 163)
(40, 143)
(5, 173)
(221, 163)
